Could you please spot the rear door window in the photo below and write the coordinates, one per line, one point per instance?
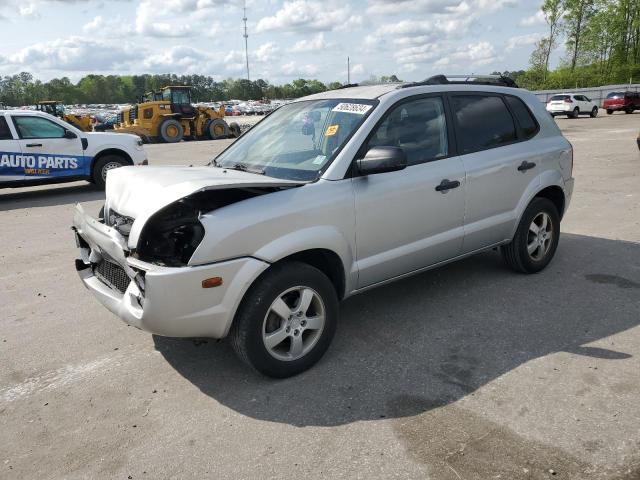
(482, 122)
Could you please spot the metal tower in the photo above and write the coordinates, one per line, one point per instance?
(246, 36)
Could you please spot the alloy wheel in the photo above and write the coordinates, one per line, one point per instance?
(540, 236)
(294, 323)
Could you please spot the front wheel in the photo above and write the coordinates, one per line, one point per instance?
(594, 112)
(102, 167)
(609, 111)
(286, 320)
(536, 238)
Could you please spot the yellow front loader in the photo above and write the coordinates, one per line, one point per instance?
(55, 108)
(168, 116)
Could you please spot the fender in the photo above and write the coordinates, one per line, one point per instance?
(324, 237)
(548, 178)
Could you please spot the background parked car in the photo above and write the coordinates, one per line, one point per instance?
(572, 105)
(622, 101)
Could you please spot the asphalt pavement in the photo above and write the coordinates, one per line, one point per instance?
(469, 371)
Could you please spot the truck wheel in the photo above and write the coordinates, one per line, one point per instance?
(171, 131)
(217, 129)
(536, 238)
(102, 167)
(594, 112)
(286, 321)
(628, 110)
(609, 111)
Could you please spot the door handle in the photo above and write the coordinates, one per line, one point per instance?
(524, 166)
(34, 144)
(447, 185)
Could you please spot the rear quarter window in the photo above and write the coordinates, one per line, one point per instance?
(483, 122)
(526, 121)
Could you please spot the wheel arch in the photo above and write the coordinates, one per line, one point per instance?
(109, 151)
(556, 195)
(325, 260)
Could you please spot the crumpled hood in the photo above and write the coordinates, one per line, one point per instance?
(139, 192)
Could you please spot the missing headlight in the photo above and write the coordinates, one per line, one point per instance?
(171, 236)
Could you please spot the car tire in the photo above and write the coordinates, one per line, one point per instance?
(287, 343)
(103, 165)
(171, 131)
(531, 251)
(609, 112)
(594, 112)
(574, 114)
(628, 111)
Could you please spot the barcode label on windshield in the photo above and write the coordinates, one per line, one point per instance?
(358, 108)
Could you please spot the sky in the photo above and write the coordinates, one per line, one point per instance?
(288, 39)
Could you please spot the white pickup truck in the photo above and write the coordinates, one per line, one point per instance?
(38, 148)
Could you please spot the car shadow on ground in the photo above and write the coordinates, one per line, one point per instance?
(48, 196)
(429, 340)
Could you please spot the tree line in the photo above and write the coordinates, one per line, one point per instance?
(601, 40)
(22, 89)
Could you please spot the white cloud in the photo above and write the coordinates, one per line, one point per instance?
(177, 18)
(74, 54)
(310, 45)
(292, 69)
(267, 52)
(385, 7)
(305, 15)
(523, 41)
(357, 69)
(533, 20)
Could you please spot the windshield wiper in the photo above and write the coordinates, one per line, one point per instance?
(243, 167)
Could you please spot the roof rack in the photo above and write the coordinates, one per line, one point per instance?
(496, 80)
(348, 85)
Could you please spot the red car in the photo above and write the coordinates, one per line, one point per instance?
(623, 101)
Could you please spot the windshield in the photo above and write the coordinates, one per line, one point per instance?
(556, 98)
(616, 95)
(298, 140)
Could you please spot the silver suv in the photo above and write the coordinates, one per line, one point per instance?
(328, 196)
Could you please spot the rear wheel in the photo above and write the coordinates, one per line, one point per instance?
(102, 167)
(628, 110)
(609, 111)
(536, 238)
(574, 114)
(217, 129)
(286, 320)
(171, 131)
(594, 112)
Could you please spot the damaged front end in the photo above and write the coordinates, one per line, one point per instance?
(142, 273)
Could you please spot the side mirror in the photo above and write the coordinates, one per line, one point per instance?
(69, 134)
(382, 160)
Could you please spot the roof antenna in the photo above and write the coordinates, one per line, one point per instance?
(246, 36)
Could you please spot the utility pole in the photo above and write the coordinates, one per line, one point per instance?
(246, 36)
(348, 72)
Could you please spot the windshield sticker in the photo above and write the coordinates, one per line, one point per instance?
(319, 159)
(358, 108)
(332, 130)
